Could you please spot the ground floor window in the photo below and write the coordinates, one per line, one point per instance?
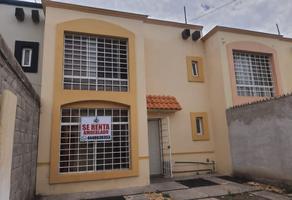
(199, 125)
(77, 155)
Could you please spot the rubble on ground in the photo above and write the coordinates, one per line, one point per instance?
(158, 196)
(266, 187)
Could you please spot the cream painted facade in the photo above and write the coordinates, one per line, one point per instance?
(160, 69)
(166, 74)
(12, 30)
(55, 16)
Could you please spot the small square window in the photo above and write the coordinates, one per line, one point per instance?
(26, 53)
(26, 57)
(195, 69)
(199, 124)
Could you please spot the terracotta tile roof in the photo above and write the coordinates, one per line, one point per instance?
(161, 102)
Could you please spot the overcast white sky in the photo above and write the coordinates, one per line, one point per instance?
(258, 15)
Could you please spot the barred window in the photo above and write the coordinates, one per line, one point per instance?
(253, 72)
(95, 63)
(85, 156)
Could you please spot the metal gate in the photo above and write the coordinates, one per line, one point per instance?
(165, 147)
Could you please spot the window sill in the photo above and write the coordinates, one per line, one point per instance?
(91, 176)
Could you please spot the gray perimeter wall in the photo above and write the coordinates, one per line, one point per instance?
(261, 139)
(24, 156)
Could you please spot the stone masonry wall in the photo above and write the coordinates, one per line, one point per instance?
(23, 173)
(261, 140)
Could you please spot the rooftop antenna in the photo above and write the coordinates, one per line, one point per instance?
(186, 33)
(279, 33)
(185, 12)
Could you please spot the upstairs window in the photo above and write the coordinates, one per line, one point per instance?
(94, 62)
(26, 57)
(195, 69)
(26, 53)
(253, 73)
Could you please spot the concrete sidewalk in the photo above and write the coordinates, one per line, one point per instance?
(176, 190)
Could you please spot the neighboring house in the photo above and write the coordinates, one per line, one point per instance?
(22, 27)
(110, 76)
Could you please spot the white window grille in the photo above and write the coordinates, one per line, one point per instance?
(253, 72)
(95, 63)
(77, 156)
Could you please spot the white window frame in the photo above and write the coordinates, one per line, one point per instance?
(23, 54)
(195, 66)
(201, 128)
(78, 156)
(94, 62)
(253, 74)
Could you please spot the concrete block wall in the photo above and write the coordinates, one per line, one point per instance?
(24, 155)
(261, 140)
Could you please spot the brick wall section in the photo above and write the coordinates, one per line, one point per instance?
(23, 174)
(261, 140)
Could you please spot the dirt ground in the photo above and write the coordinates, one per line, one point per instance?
(244, 196)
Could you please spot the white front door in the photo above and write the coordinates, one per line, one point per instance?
(154, 147)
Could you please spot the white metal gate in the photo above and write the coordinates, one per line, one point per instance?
(154, 147)
(165, 147)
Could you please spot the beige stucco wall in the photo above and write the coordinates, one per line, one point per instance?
(12, 30)
(166, 74)
(217, 93)
(53, 17)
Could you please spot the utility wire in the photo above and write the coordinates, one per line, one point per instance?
(214, 10)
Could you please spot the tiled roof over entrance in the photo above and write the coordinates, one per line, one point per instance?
(161, 102)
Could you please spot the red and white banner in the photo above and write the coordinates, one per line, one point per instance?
(96, 128)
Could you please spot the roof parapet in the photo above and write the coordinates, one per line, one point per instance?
(244, 31)
(128, 15)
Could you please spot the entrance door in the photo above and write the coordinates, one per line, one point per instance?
(154, 147)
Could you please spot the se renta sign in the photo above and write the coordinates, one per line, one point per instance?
(96, 128)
